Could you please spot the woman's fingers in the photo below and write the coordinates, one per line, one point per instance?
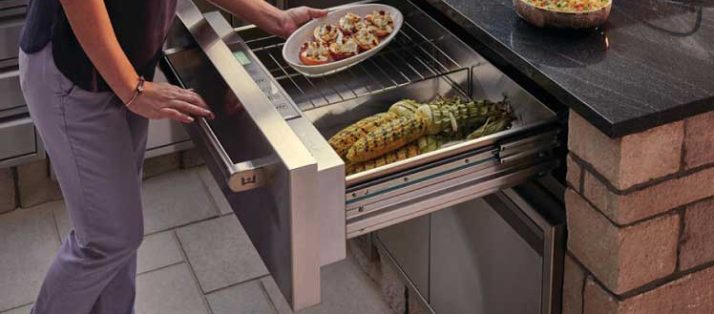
(175, 115)
(191, 97)
(191, 109)
(316, 13)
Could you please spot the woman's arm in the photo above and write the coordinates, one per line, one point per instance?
(91, 25)
(268, 17)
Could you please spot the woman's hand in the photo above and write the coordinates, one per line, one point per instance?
(269, 18)
(293, 18)
(161, 100)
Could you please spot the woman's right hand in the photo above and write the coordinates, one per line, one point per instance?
(162, 100)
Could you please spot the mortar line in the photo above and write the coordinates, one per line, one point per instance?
(193, 274)
(683, 147)
(15, 308)
(682, 225)
(648, 287)
(639, 186)
(159, 268)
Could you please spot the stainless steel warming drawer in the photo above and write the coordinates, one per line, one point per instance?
(268, 145)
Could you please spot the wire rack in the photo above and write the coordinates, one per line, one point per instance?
(410, 57)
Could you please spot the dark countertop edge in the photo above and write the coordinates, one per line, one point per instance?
(501, 56)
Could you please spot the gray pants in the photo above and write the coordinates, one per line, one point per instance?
(96, 147)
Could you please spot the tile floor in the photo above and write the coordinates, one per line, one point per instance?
(195, 258)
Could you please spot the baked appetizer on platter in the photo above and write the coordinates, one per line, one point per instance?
(343, 47)
(366, 39)
(381, 21)
(326, 33)
(314, 53)
(348, 23)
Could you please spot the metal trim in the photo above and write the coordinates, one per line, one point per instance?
(442, 196)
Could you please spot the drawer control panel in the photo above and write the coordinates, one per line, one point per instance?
(270, 88)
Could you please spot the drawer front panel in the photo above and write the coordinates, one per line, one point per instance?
(11, 22)
(18, 139)
(10, 89)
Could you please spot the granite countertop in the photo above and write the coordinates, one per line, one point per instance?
(651, 64)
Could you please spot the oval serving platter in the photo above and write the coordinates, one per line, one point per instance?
(542, 17)
(291, 49)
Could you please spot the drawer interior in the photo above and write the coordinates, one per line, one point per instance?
(423, 62)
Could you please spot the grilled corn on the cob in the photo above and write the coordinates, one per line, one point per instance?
(422, 145)
(405, 107)
(492, 125)
(343, 140)
(388, 137)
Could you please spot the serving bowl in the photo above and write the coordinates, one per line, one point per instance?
(542, 17)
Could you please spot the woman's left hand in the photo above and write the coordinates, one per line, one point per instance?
(293, 18)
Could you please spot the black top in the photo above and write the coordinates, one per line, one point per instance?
(140, 26)
(651, 64)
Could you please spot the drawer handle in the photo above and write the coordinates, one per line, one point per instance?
(242, 176)
(250, 174)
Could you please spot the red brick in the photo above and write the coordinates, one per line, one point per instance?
(621, 258)
(699, 140)
(629, 160)
(691, 294)
(7, 190)
(573, 281)
(652, 200)
(34, 184)
(698, 236)
(597, 300)
(575, 173)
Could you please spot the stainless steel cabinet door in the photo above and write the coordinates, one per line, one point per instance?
(480, 265)
(497, 255)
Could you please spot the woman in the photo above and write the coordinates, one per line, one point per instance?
(82, 69)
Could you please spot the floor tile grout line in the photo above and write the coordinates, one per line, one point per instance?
(173, 228)
(159, 268)
(193, 274)
(207, 189)
(15, 308)
(233, 285)
(267, 294)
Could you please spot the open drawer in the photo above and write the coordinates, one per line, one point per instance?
(268, 146)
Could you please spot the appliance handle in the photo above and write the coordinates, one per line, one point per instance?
(241, 176)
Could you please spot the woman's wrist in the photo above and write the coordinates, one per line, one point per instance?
(127, 89)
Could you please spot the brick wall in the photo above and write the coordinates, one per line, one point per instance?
(640, 215)
(31, 184)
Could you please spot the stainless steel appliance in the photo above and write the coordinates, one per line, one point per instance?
(20, 141)
(498, 254)
(268, 148)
